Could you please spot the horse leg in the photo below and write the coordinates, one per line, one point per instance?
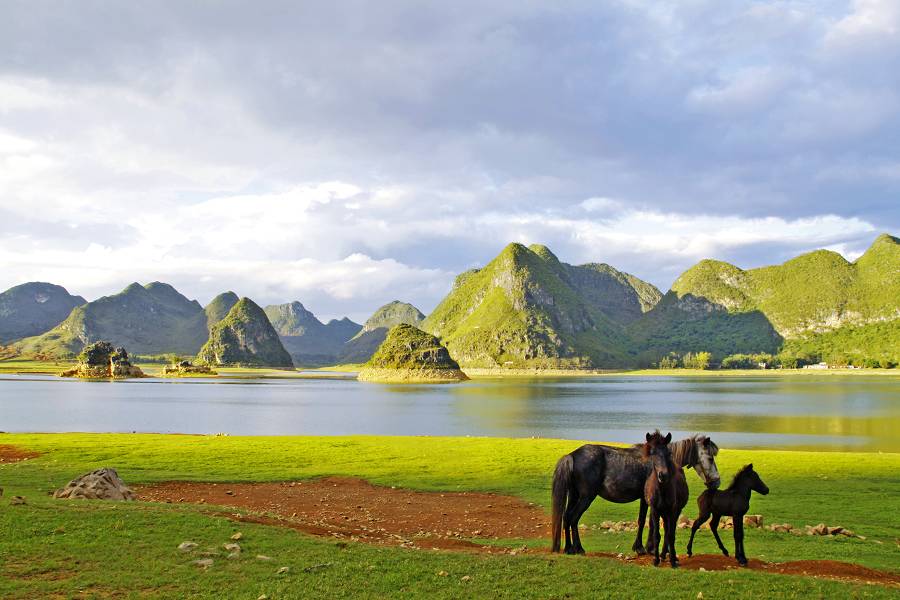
(580, 509)
(653, 536)
(670, 540)
(567, 520)
(701, 519)
(638, 545)
(739, 541)
(714, 525)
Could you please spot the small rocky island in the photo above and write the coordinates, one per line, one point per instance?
(186, 368)
(410, 355)
(101, 360)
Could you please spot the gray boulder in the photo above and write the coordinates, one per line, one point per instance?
(102, 484)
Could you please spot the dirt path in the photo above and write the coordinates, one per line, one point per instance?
(11, 454)
(353, 509)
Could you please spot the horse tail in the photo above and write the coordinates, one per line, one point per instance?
(562, 479)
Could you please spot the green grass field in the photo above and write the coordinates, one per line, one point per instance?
(101, 549)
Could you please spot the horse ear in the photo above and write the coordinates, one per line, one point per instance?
(669, 437)
(750, 466)
(648, 437)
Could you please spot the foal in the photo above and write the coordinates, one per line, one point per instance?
(660, 494)
(732, 502)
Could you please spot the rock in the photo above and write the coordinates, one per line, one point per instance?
(283, 570)
(443, 573)
(233, 548)
(101, 361)
(17, 501)
(781, 527)
(237, 536)
(263, 597)
(820, 529)
(465, 578)
(187, 546)
(102, 484)
(834, 530)
(204, 563)
(263, 557)
(186, 369)
(755, 521)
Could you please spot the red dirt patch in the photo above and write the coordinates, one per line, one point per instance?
(11, 454)
(353, 509)
(357, 510)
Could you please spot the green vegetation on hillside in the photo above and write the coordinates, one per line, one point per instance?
(526, 309)
(410, 354)
(33, 308)
(218, 308)
(818, 297)
(363, 345)
(151, 319)
(244, 337)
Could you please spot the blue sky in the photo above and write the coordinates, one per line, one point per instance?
(349, 154)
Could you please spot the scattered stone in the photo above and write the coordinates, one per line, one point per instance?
(702, 570)
(465, 578)
(233, 548)
(312, 568)
(755, 521)
(263, 557)
(263, 597)
(234, 555)
(780, 527)
(102, 484)
(204, 563)
(283, 570)
(187, 546)
(237, 536)
(819, 529)
(443, 573)
(17, 501)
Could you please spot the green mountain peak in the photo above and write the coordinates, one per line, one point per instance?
(244, 337)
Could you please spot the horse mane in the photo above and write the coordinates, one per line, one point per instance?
(685, 452)
(737, 476)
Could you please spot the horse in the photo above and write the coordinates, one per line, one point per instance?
(661, 495)
(732, 502)
(681, 495)
(617, 475)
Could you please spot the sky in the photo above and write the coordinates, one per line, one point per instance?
(347, 153)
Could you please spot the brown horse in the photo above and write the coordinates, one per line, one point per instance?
(661, 495)
(680, 487)
(732, 502)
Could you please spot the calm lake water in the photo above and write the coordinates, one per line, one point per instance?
(856, 413)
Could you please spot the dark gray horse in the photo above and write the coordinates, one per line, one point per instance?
(617, 475)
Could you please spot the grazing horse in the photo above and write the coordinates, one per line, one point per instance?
(732, 502)
(617, 475)
(660, 494)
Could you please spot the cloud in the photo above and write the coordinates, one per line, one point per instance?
(424, 137)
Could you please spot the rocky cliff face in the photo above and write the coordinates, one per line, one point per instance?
(408, 354)
(244, 337)
(33, 308)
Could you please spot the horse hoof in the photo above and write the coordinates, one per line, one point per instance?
(639, 550)
(674, 565)
(725, 552)
(742, 562)
(655, 562)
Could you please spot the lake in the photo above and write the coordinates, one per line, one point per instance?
(839, 413)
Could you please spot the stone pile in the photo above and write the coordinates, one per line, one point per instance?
(102, 484)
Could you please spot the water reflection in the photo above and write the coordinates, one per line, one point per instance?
(837, 413)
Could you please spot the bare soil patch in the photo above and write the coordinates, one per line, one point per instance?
(357, 510)
(11, 454)
(353, 509)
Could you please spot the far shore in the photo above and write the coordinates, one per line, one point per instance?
(349, 371)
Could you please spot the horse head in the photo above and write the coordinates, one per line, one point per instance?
(656, 450)
(756, 482)
(705, 464)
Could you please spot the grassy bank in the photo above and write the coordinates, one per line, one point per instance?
(59, 548)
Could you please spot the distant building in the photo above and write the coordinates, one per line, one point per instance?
(821, 365)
